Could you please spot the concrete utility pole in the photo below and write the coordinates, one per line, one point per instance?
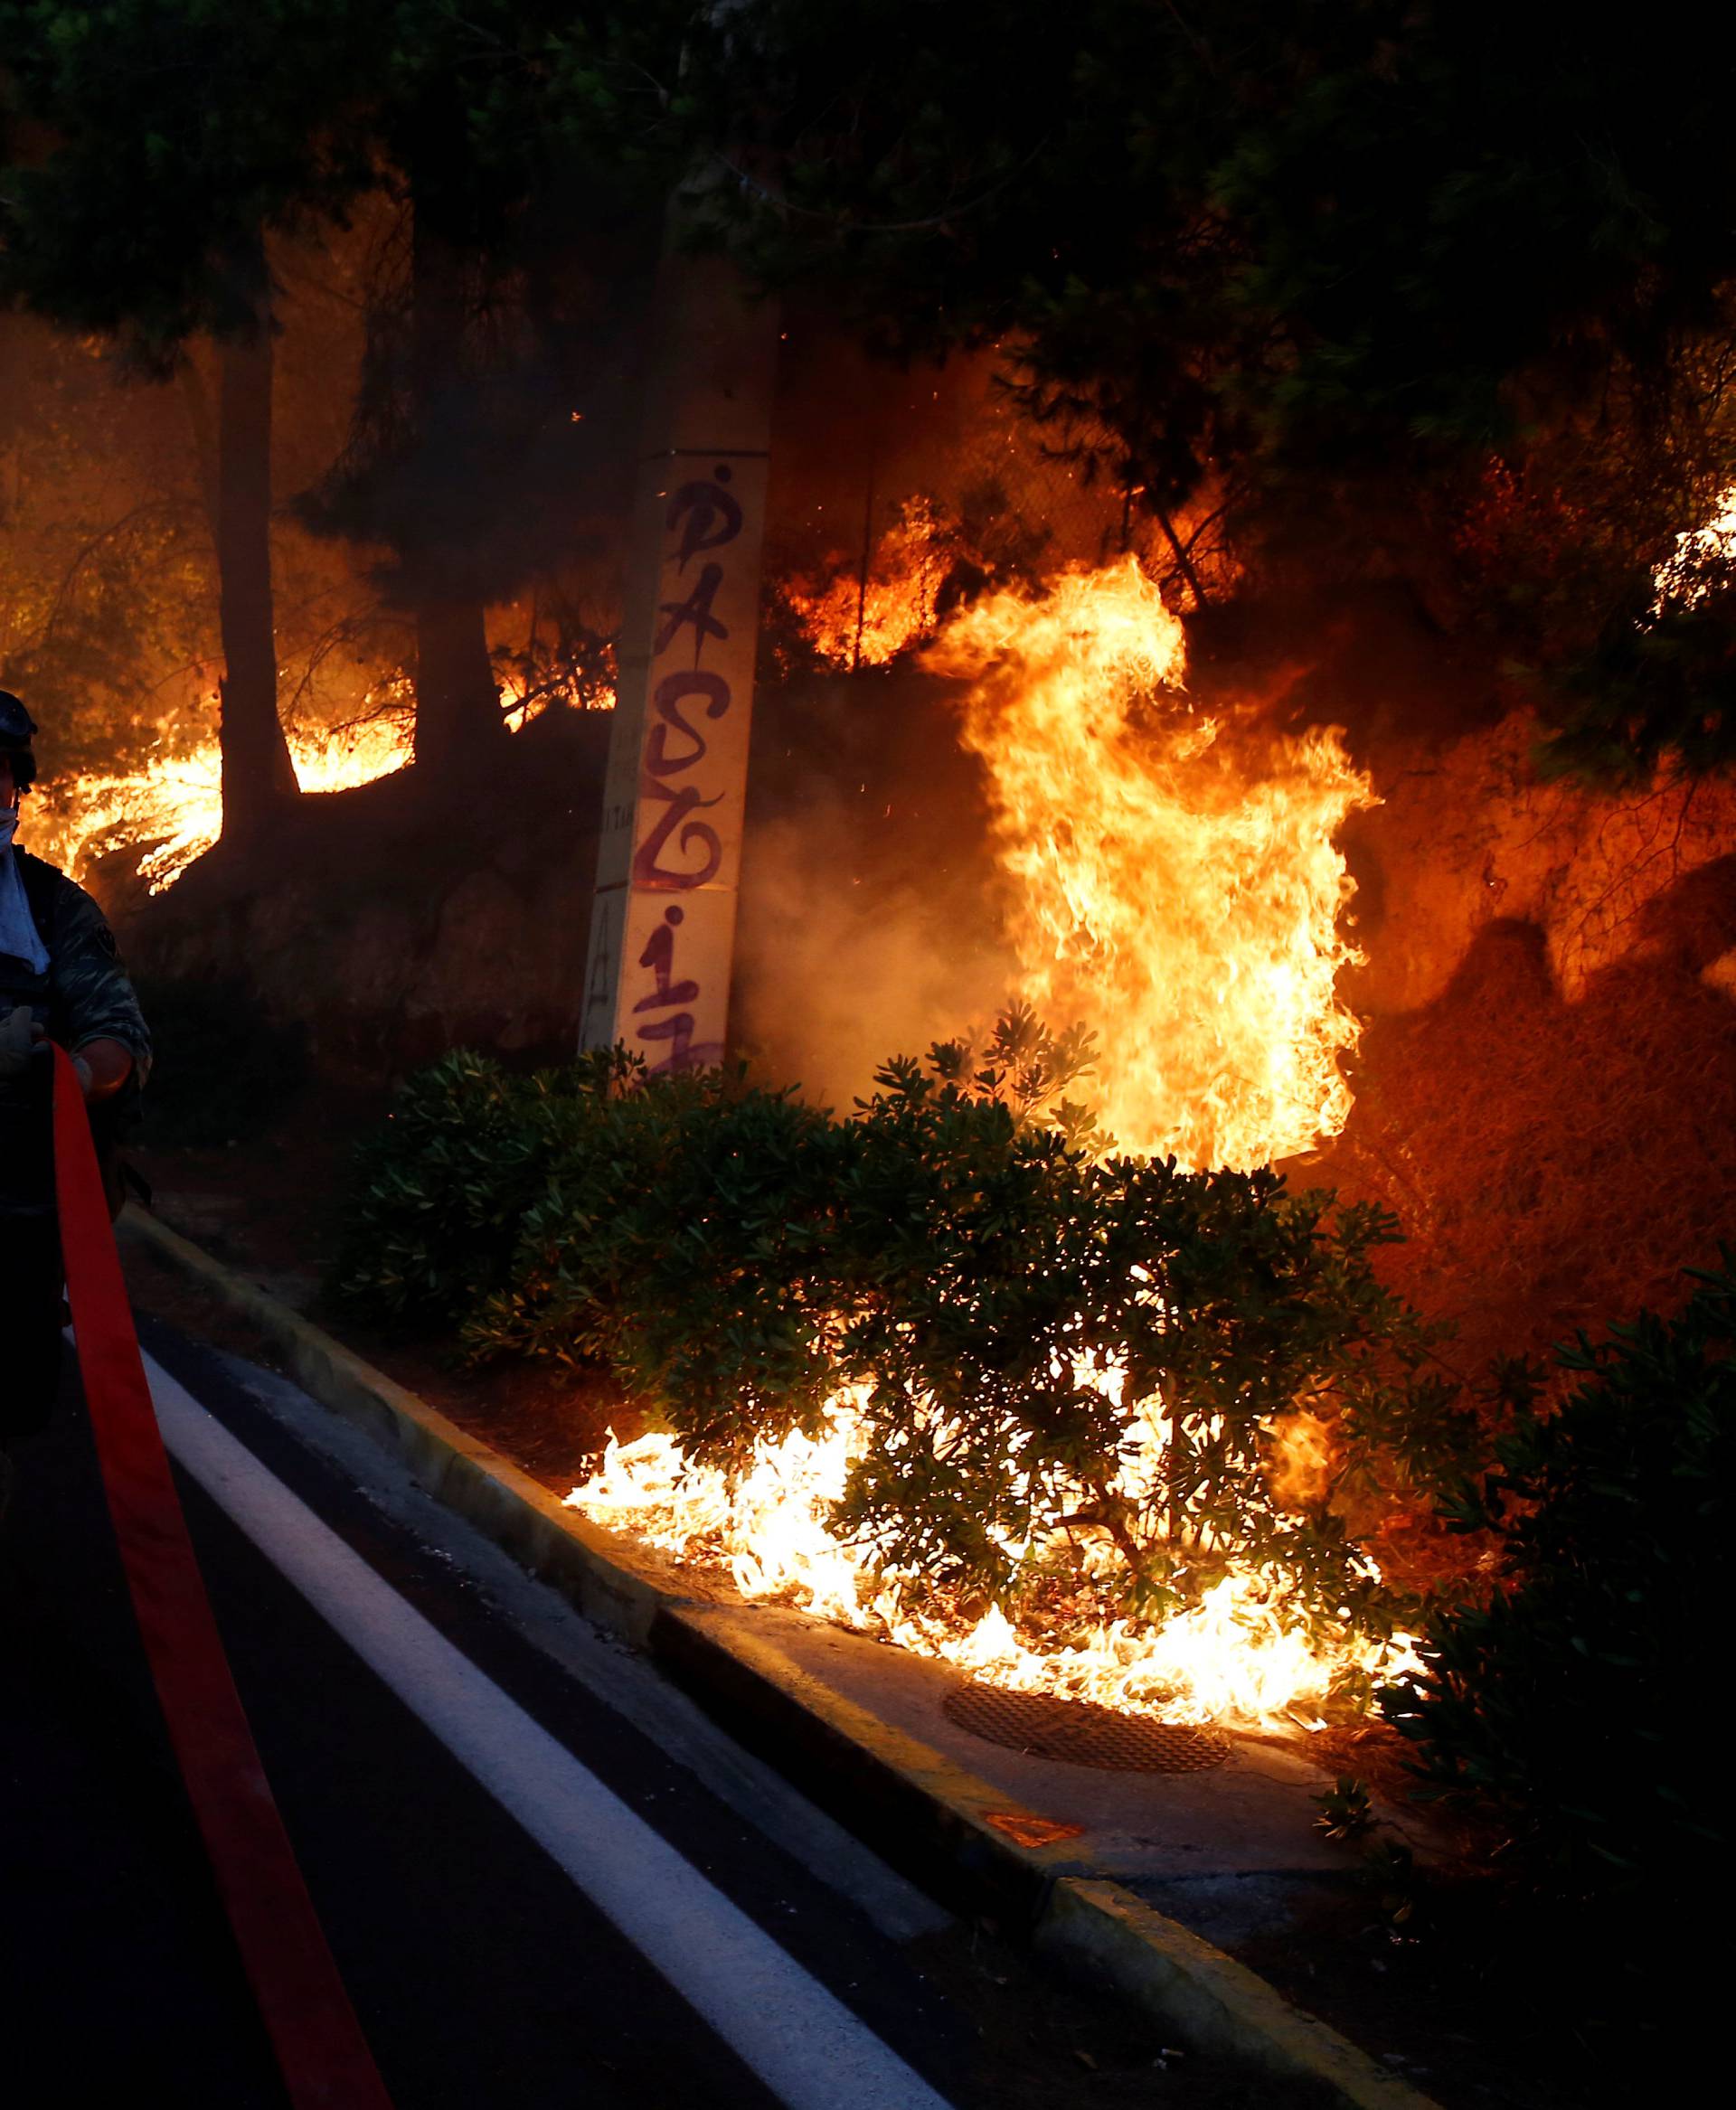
(668, 865)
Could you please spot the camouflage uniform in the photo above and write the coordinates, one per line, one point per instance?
(84, 996)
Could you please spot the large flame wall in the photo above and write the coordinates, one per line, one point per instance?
(1175, 884)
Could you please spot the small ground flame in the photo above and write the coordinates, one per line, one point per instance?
(167, 816)
(1176, 889)
(172, 812)
(1234, 1657)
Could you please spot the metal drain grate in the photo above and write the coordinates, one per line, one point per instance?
(1082, 1733)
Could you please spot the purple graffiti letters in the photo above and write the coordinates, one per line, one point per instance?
(678, 1030)
(666, 699)
(659, 956)
(708, 517)
(696, 610)
(677, 805)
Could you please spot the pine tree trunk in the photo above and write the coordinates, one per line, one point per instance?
(258, 780)
(457, 704)
(202, 424)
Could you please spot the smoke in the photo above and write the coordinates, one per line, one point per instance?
(870, 907)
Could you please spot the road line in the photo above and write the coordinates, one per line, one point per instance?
(802, 2041)
(625, 1682)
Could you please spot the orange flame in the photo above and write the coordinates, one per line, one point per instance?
(1235, 1656)
(167, 816)
(896, 606)
(1178, 892)
(1302, 1459)
(172, 813)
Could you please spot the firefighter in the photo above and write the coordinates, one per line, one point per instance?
(60, 979)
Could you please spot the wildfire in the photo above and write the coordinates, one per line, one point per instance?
(1233, 1657)
(1178, 892)
(850, 620)
(1698, 558)
(173, 812)
(168, 816)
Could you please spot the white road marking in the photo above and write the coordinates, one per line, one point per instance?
(804, 2043)
(625, 1682)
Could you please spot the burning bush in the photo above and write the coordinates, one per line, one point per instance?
(1064, 1382)
(1565, 1699)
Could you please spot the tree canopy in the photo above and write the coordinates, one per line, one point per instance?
(144, 135)
(152, 154)
(1392, 288)
(1436, 291)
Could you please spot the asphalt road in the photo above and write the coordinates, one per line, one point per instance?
(479, 1815)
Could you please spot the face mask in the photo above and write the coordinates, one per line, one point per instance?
(8, 823)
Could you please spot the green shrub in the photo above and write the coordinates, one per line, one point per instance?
(681, 1234)
(1575, 1700)
(439, 1191)
(998, 1274)
(1011, 1308)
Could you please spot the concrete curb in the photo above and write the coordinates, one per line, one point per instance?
(920, 1810)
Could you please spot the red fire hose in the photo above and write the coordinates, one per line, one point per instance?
(320, 2049)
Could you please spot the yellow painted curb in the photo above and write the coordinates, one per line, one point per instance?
(732, 1655)
(1213, 2002)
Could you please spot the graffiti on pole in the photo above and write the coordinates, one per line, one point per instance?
(664, 921)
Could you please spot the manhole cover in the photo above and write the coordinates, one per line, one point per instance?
(1082, 1733)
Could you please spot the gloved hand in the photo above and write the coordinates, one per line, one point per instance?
(20, 1037)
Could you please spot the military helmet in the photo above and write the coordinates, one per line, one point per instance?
(17, 729)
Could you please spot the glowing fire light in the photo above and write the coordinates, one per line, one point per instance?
(1698, 556)
(896, 609)
(168, 816)
(1178, 891)
(1233, 1657)
(173, 812)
